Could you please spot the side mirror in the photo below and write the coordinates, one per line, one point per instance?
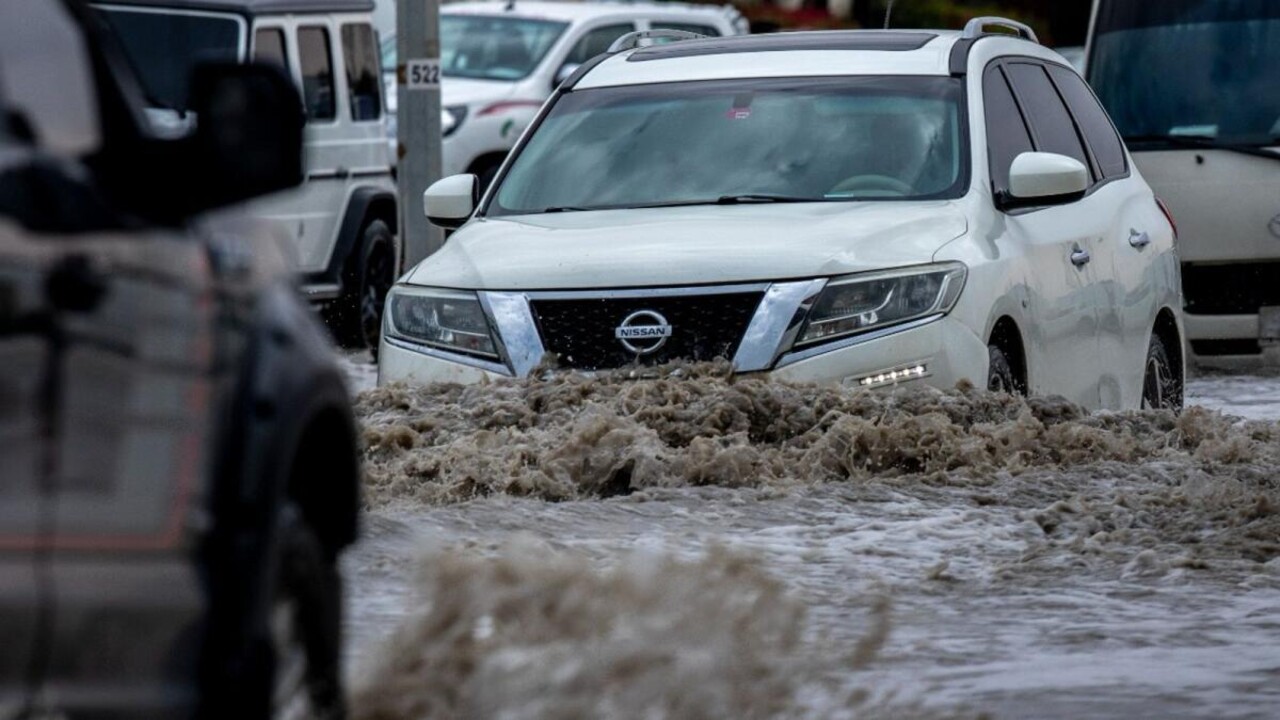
(563, 74)
(1037, 179)
(450, 201)
(248, 138)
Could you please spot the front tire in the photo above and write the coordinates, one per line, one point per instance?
(356, 316)
(1000, 375)
(1161, 381)
(306, 627)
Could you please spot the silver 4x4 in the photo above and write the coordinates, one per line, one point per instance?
(343, 218)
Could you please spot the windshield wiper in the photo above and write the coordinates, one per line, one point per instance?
(744, 199)
(762, 198)
(1204, 143)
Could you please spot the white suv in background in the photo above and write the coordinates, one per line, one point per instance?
(867, 208)
(343, 218)
(501, 60)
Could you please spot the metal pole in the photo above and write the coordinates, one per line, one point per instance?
(418, 121)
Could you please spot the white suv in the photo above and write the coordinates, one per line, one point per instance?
(501, 60)
(866, 208)
(343, 219)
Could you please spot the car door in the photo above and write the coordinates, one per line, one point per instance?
(25, 504)
(1062, 337)
(311, 213)
(1135, 237)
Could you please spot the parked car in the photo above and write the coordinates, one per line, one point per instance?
(343, 218)
(178, 463)
(866, 208)
(501, 60)
(1195, 91)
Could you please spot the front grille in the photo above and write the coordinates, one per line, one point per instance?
(703, 327)
(1234, 289)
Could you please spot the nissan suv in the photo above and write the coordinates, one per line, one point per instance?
(868, 208)
(178, 463)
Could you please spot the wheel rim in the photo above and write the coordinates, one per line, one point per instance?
(997, 383)
(1157, 385)
(377, 281)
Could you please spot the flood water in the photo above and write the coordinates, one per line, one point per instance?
(690, 545)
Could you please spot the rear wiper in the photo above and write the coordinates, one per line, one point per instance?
(1204, 143)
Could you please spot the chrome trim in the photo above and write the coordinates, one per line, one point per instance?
(517, 332)
(437, 353)
(609, 294)
(775, 324)
(852, 340)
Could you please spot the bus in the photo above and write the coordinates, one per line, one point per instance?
(1193, 86)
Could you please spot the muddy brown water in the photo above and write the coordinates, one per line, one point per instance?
(689, 544)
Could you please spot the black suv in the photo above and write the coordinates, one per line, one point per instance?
(178, 460)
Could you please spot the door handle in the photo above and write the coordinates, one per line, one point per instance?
(1080, 257)
(1139, 239)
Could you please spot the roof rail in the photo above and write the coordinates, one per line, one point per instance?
(631, 40)
(977, 27)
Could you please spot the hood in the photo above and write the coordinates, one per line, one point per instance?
(689, 245)
(465, 91)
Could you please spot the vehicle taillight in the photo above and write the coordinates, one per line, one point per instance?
(1168, 216)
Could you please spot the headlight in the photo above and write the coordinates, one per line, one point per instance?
(448, 319)
(451, 117)
(859, 303)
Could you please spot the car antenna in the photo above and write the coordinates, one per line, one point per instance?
(888, 10)
(511, 5)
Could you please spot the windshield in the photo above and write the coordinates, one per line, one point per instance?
(488, 48)
(884, 138)
(164, 47)
(1202, 69)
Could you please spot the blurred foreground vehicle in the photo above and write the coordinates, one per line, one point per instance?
(178, 470)
(867, 208)
(1194, 88)
(343, 217)
(501, 60)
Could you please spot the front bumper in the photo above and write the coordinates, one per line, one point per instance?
(947, 350)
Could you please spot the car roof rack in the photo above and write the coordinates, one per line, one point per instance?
(631, 40)
(977, 27)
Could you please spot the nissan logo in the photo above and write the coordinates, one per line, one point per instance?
(1274, 226)
(643, 332)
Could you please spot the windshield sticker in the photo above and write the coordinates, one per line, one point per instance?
(741, 109)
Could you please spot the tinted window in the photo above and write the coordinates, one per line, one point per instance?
(268, 46)
(164, 48)
(1189, 68)
(361, 58)
(1051, 124)
(687, 27)
(597, 41)
(1007, 135)
(317, 73)
(1093, 120)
